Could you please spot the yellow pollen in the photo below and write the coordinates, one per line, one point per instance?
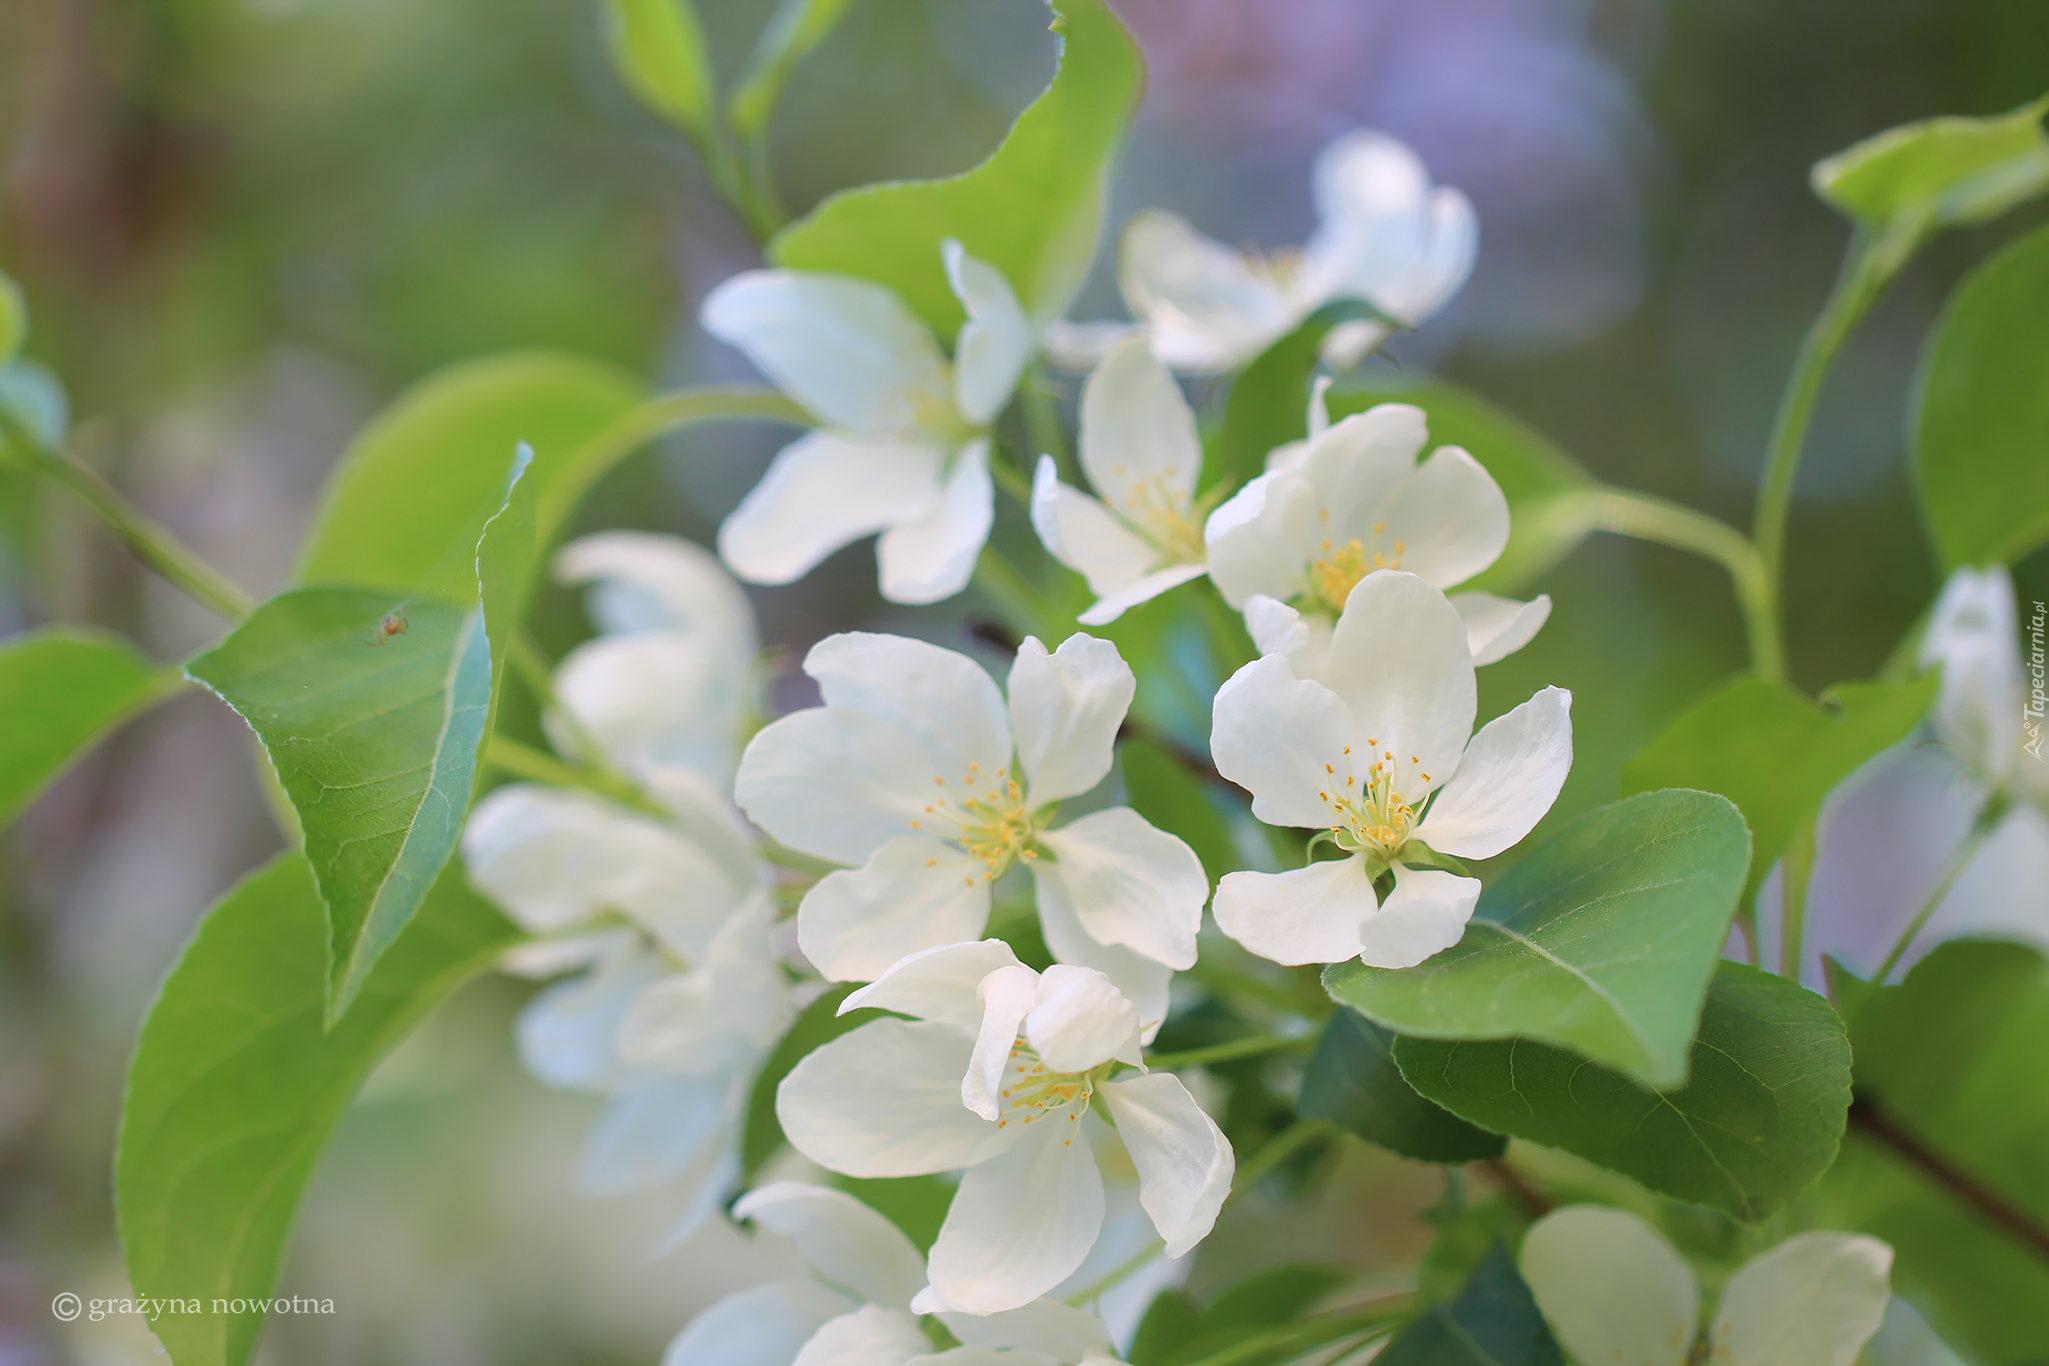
(1335, 574)
(1328, 769)
(930, 862)
(1375, 817)
(1379, 527)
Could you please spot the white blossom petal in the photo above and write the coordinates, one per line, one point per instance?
(1079, 1020)
(1444, 523)
(931, 556)
(1143, 980)
(1273, 733)
(1814, 1300)
(1087, 537)
(847, 349)
(728, 1009)
(1185, 1164)
(665, 1129)
(1307, 915)
(1497, 627)
(1371, 195)
(1138, 439)
(869, 1336)
(1612, 1289)
(1058, 1332)
(835, 784)
(1972, 636)
(884, 1100)
(1425, 914)
(641, 581)
(1205, 305)
(844, 1240)
(824, 491)
(941, 984)
(1130, 882)
(764, 1325)
(940, 696)
(1006, 996)
(1079, 347)
(1508, 778)
(1398, 658)
(654, 697)
(1354, 468)
(1260, 539)
(994, 343)
(567, 1033)
(1020, 1222)
(913, 893)
(1111, 606)
(1065, 708)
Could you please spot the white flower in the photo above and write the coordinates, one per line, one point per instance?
(667, 680)
(1616, 1293)
(903, 447)
(1360, 758)
(863, 1312)
(999, 1071)
(916, 775)
(1140, 448)
(1288, 548)
(1985, 712)
(1385, 236)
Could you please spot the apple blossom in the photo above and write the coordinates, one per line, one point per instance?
(918, 774)
(1615, 1292)
(903, 448)
(997, 1071)
(1379, 758)
(1288, 548)
(1385, 236)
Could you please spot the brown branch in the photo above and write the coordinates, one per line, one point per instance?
(1527, 1195)
(1990, 1204)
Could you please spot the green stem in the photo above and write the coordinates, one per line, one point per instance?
(1236, 1048)
(1010, 479)
(1796, 866)
(1152, 1249)
(1981, 830)
(535, 765)
(1042, 419)
(1219, 978)
(151, 542)
(1299, 1338)
(1277, 1150)
(1011, 591)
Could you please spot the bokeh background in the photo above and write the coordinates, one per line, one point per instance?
(244, 225)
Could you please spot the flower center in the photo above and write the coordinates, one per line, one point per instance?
(1373, 817)
(1338, 568)
(1032, 1095)
(985, 817)
(1152, 507)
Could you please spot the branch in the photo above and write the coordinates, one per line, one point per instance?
(1993, 1206)
(1527, 1195)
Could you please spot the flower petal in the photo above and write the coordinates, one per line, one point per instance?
(884, 1100)
(1138, 438)
(843, 1239)
(835, 784)
(942, 697)
(931, 556)
(1306, 915)
(1184, 1162)
(1497, 627)
(1111, 606)
(870, 1336)
(824, 491)
(1508, 778)
(1056, 1331)
(1451, 242)
(1273, 733)
(1065, 708)
(1611, 1287)
(1398, 658)
(1078, 347)
(1130, 882)
(1079, 1020)
(1425, 914)
(1143, 980)
(995, 342)
(1085, 536)
(1814, 1300)
(913, 893)
(1354, 466)
(847, 349)
(1444, 523)
(641, 581)
(765, 1325)
(1972, 635)
(726, 1011)
(1020, 1222)
(1207, 308)
(654, 697)
(662, 1129)
(942, 985)
(1260, 540)
(568, 1033)
(1006, 996)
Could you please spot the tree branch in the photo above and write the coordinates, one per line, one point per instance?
(1994, 1207)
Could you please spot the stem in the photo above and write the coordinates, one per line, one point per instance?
(1152, 1249)
(1531, 1199)
(1981, 829)
(1010, 479)
(1278, 1149)
(1995, 1207)
(1296, 1339)
(1010, 590)
(1796, 866)
(1042, 419)
(150, 541)
(539, 766)
(1236, 1048)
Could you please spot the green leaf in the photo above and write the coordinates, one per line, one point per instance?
(1465, 1235)
(375, 739)
(1983, 410)
(1175, 1333)
(917, 1205)
(1268, 405)
(1169, 1321)
(1161, 788)
(13, 318)
(1033, 210)
(1940, 171)
(74, 685)
(1352, 1080)
(235, 1087)
(1759, 1121)
(658, 50)
(1601, 940)
(1493, 1322)
(1774, 753)
(793, 32)
(1953, 1057)
(816, 1025)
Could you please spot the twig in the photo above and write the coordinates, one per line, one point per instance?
(1248, 1047)
(1994, 1207)
(1531, 1199)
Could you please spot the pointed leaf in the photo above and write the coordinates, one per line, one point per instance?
(792, 33)
(1352, 1080)
(658, 50)
(1493, 1322)
(76, 684)
(1940, 171)
(1602, 940)
(13, 318)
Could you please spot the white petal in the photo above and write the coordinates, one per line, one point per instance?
(703, 813)
(1354, 467)
(1425, 914)
(1371, 192)
(1612, 1289)
(641, 581)
(654, 697)
(941, 984)
(1506, 781)
(1275, 627)
(824, 491)
(1272, 734)
(1262, 538)
(1077, 347)
(1056, 1331)
(1451, 242)
(835, 784)
(1065, 708)
(726, 1011)
(1130, 883)
(1972, 636)
(972, 1356)
(1184, 1162)
(1398, 658)
(994, 343)
(843, 1239)
(945, 699)
(1345, 345)
(765, 1325)
(1814, 1300)
(932, 556)
(1079, 1020)
(1085, 536)
(1306, 915)
(913, 893)
(1020, 1222)
(567, 1034)
(1444, 523)
(1111, 606)
(884, 1100)
(1143, 980)
(662, 1129)
(1006, 996)
(1206, 307)
(870, 1336)
(1138, 438)
(1497, 627)
(848, 350)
